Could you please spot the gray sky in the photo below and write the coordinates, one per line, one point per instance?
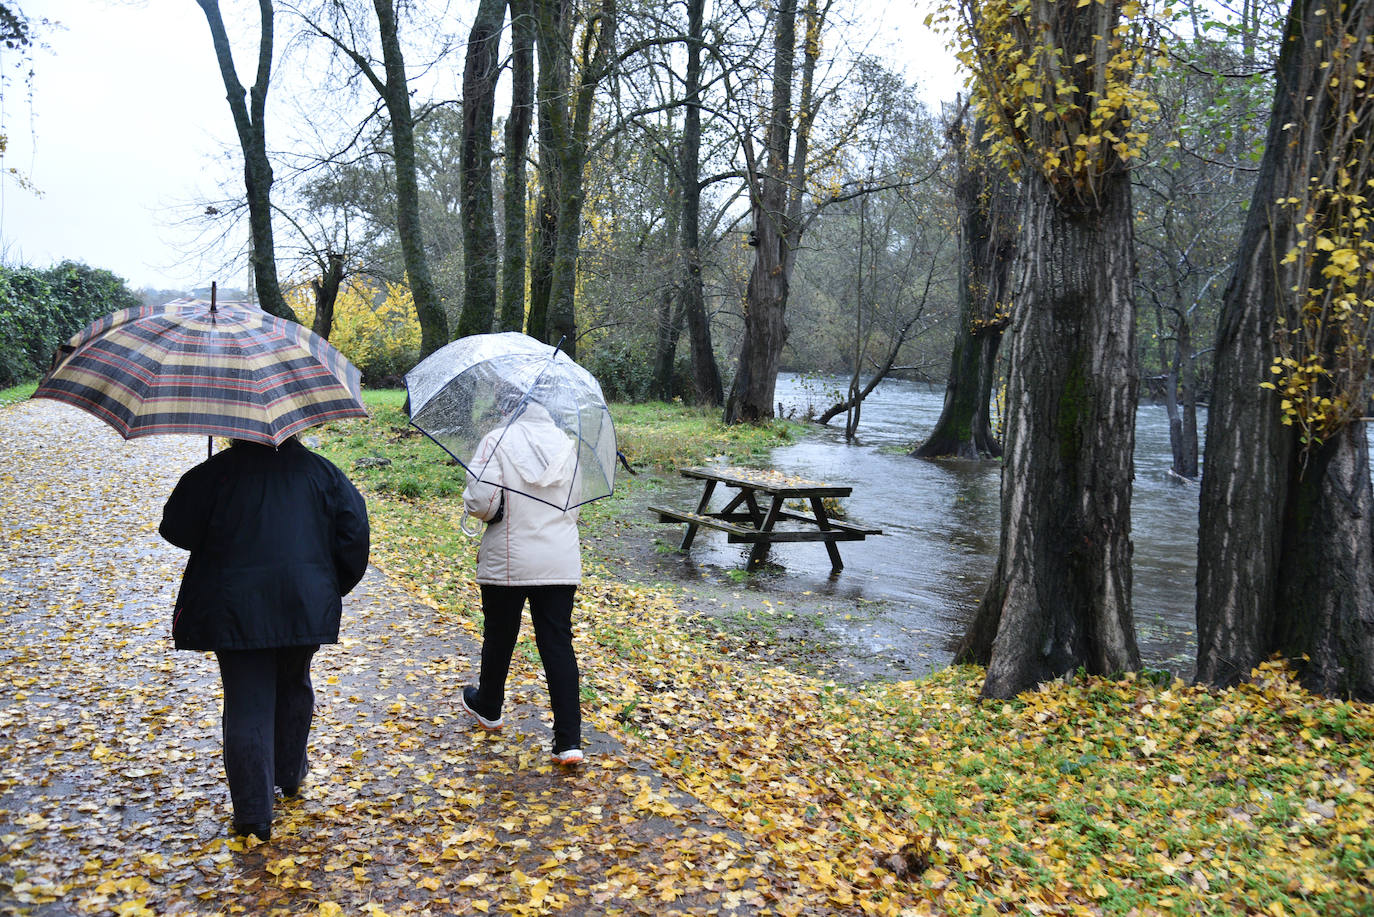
(127, 116)
(128, 127)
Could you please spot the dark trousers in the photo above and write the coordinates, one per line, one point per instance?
(551, 610)
(268, 705)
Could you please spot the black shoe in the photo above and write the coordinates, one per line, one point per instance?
(292, 790)
(491, 724)
(261, 830)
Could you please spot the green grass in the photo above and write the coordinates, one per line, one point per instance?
(387, 456)
(17, 393)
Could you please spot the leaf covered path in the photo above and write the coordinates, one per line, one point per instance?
(112, 796)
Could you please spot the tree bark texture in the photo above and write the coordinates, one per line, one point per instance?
(1286, 534)
(250, 125)
(480, 250)
(395, 93)
(1061, 594)
(517, 144)
(987, 244)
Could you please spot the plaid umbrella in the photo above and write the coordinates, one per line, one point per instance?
(196, 367)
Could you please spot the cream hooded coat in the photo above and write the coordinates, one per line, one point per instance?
(533, 543)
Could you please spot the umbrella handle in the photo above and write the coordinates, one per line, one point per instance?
(463, 525)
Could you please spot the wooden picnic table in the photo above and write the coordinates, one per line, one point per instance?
(744, 520)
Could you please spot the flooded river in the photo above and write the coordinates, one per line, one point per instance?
(925, 575)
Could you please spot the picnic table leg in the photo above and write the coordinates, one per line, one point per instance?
(760, 549)
(705, 502)
(823, 521)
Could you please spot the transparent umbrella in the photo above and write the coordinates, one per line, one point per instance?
(484, 390)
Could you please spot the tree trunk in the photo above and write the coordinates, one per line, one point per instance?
(517, 143)
(1185, 452)
(326, 289)
(665, 345)
(249, 123)
(706, 382)
(987, 242)
(571, 133)
(479, 223)
(765, 331)
(670, 313)
(1061, 595)
(554, 50)
(396, 94)
(1286, 528)
(1187, 394)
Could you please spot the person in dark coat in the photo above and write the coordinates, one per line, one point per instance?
(277, 538)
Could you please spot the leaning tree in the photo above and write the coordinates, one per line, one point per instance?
(1056, 83)
(1286, 537)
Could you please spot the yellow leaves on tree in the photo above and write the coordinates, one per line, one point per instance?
(1324, 368)
(1060, 85)
(373, 328)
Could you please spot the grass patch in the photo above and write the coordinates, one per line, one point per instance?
(17, 393)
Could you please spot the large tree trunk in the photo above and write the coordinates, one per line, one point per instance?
(479, 223)
(987, 242)
(396, 94)
(1286, 528)
(706, 381)
(517, 141)
(249, 123)
(1061, 595)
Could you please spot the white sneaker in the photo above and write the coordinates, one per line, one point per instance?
(569, 757)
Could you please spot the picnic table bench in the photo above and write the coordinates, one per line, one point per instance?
(744, 520)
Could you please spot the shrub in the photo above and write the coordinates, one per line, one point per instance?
(42, 308)
(380, 334)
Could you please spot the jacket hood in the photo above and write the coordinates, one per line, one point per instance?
(538, 450)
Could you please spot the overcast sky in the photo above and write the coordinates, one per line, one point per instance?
(126, 128)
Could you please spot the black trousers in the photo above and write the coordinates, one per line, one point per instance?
(551, 610)
(268, 704)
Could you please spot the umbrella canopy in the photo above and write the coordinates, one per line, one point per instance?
(484, 383)
(197, 367)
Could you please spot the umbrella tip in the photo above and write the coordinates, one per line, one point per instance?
(213, 287)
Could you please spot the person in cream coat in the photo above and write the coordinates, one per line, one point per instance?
(529, 551)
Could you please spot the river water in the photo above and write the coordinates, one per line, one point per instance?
(923, 578)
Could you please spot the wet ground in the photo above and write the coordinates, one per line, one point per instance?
(792, 610)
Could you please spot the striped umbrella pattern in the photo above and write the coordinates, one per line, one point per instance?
(195, 367)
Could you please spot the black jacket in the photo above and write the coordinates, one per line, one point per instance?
(277, 537)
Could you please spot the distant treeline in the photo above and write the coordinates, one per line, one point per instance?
(41, 308)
